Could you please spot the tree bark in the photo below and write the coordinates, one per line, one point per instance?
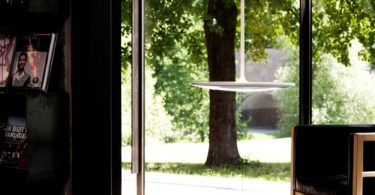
(220, 29)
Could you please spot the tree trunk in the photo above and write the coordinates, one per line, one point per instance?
(220, 28)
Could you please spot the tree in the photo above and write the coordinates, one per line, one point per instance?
(220, 24)
(220, 30)
(337, 23)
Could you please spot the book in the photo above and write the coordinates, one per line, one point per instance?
(7, 44)
(32, 60)
(13, 142)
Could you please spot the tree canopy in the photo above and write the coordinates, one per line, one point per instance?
(337, 23)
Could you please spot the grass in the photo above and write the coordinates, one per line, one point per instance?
(259, 136)
(248, 169)
(265, 158)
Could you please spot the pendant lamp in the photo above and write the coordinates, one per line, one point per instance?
(242, 85)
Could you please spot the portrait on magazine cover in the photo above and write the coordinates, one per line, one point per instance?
(28, 69)
(29, 61)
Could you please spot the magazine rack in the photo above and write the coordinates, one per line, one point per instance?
(46, 166)
(46, 149)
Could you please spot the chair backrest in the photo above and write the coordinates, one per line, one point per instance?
(324, 149)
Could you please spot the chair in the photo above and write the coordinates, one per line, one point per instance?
(333, 160)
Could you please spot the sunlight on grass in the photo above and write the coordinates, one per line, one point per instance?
(256, 136)
(265, 158)
(248, 170)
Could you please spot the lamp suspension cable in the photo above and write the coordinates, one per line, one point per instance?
(242, 43)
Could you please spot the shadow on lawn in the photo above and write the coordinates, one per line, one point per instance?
(247, 169)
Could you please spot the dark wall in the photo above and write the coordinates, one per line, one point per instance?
(96, 97)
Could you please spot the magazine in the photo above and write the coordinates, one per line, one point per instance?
(7, 43)
(13, 142)
(32, 60)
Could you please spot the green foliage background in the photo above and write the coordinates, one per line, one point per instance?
(158, 123)
(343, 62)
(176, 55)
(341, 94)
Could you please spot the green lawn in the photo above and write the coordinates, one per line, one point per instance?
(247, 170)
(264, 157)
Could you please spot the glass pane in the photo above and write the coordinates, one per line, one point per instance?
(129, 183)
(188, 152)
(343, 61)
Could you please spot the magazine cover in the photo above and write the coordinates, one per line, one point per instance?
(13, 142)
(32, 60)
(7, 43)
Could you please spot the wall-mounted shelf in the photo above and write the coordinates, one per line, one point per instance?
(46, 151)
(46, 112)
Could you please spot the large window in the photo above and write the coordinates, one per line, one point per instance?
(201, 141)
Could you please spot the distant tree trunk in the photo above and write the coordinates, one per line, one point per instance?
(220, 28)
